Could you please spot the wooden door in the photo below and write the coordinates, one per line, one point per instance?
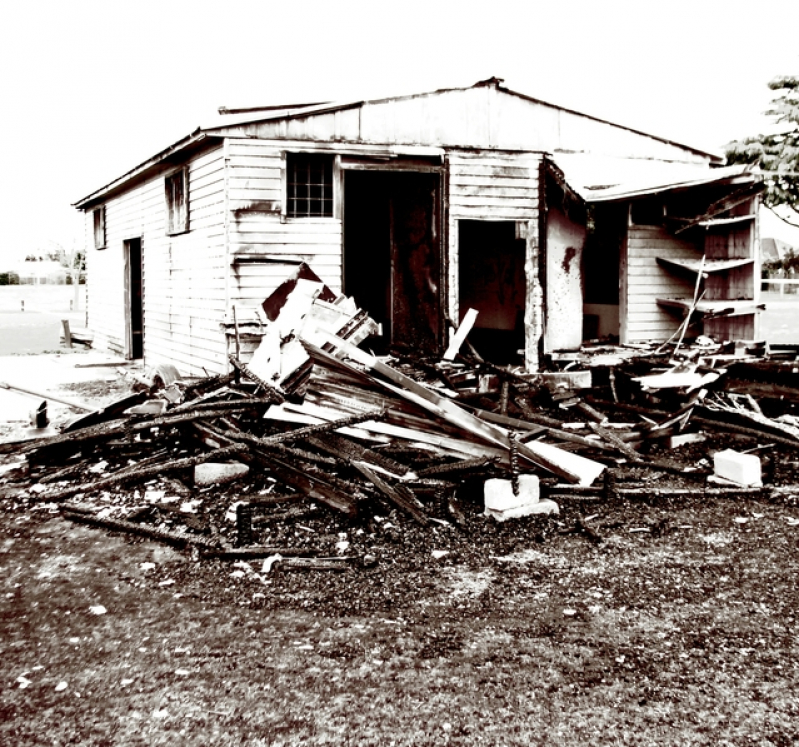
(416, 292)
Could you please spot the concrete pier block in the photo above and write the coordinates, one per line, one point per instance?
(743, 469)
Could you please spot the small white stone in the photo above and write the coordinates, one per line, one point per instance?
(216, 473)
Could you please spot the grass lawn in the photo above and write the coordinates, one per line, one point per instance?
(679, 635)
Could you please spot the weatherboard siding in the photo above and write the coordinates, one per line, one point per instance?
(265, 247)
(183, 275)
(648, 281)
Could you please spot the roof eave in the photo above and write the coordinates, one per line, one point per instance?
(747, 178)
(195, 138)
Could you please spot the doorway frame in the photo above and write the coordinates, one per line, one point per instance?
(133, 274)
(420, 165)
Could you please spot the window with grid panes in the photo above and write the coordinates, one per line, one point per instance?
(309, 185)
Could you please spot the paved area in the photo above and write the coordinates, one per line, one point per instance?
(31, 316)
(46, 374)
(779, 323)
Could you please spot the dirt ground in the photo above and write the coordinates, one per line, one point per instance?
(679, 627)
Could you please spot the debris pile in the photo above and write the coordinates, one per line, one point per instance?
(313, 423)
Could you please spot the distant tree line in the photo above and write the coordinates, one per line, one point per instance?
(788, 266)
(75, 263)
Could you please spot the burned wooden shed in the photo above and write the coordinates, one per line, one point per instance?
(552, 224)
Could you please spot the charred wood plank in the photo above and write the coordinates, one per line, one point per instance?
(503, 398)
(274, 393)
(129, 527)
(207, 384)
(302, 454)
(399, 495)
(151, 471)
(537, 422)
(711, 422)
(251, 553)
(63, 474)
(346, 450)
(312, 430)
(308, 484)
(592, 413)
(120, 427)
(465, 465)
(614, 440)
(236, 405)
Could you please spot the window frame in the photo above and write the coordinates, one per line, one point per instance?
(98, 227)
(177, 222)
(329, 189)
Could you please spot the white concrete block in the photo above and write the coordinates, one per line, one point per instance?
(499, 495)
(216, 473)
(743, 469)
(544, 506)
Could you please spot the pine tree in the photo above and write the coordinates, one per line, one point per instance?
(777, 153)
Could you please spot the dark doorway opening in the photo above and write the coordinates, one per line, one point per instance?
(602, 257)
(392, 255)
(491, 280)
(134, 307)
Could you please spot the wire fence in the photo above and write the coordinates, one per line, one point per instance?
(783, 286)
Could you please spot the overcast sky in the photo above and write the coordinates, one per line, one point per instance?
(91, 89)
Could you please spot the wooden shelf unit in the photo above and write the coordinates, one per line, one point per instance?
(730, 284)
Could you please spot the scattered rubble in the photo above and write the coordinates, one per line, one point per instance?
(312, 423)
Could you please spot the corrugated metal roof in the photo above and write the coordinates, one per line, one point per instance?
(600, 179)
(270, 114)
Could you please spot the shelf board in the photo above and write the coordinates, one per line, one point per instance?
(711, 265)
(726, 221)
(683, 224)
(721, 306)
